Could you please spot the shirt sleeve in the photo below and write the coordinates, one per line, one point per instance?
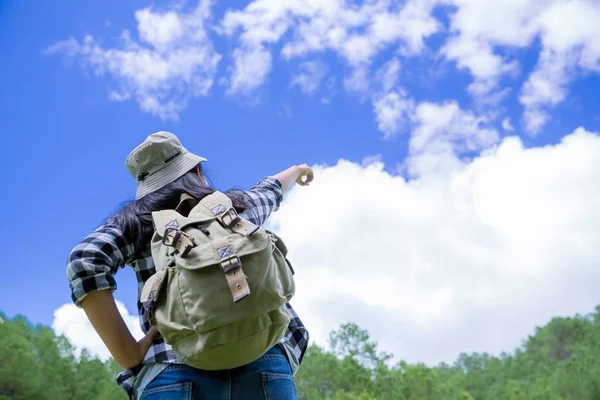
(94, 261)
(264, 199)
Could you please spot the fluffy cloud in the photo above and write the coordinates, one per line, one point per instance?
(443, 126)
(172, 61)
(356, 32)
(310, 77)
(484, 30)
(447, 123)
(465, 256)
(506, 125)
(477, 27)
(391, 103)
(358, 81)
(388, 75)
(391, 111)
(71, 321)
(481, 37)
(249, 70)
(570, 42)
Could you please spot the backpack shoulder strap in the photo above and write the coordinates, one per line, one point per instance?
(186, 204)
(217, 202)
(221, 207)
(165, 219)
(283, 249)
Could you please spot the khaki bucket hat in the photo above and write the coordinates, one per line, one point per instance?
(159, 160)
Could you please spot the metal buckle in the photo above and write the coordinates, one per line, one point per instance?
(171, 235)
(230, 263)
(231, 213)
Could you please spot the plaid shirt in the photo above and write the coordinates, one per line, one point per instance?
(94, 261)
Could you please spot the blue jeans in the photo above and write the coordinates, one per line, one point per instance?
(269, 377)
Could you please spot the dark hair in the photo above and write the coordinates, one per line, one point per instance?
(135, 218)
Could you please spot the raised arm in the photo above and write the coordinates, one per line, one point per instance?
(295, 174)
(266, 196)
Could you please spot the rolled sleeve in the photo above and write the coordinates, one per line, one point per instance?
(264, 199)
(93, 262)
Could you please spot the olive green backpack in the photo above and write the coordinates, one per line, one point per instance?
(221, 284)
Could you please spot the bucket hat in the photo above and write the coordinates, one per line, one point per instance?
(159, 160)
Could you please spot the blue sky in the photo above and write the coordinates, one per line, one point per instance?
(66, 136)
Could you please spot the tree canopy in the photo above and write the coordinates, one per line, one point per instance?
(560, 361)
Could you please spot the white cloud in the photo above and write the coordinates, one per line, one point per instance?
(506, 125)
(444, 129)
(391, 103)
(569, 41)
(444, 262)
(330, 90)
(478, 26)
(310, 77)
(535, 118)
(173, 59)
(172, 62)
(356, 32)
(392, 110)
(261, 23)
(71, 321)
(250, 69)
(159, 30)
(483, 64)
(375, 159)
(70, 47)
(388, 75)
(358, 81)
(443, 126)
(545, 86)
(448, 123)
(359, 31)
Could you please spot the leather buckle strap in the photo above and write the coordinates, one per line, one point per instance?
(185, 243)
(231, 215)
(238, 284)
(232, 269)
(227, 257)
(171, 236)
(155, 283)
(233, 221)
(221, 207)
(181, 241)
(230, 263)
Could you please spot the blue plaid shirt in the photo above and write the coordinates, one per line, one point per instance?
(93, 263)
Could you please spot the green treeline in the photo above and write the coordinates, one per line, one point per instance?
(561, 361)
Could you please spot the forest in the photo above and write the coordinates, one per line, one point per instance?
(559, 361)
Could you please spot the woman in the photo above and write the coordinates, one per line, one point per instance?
(164, 169)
